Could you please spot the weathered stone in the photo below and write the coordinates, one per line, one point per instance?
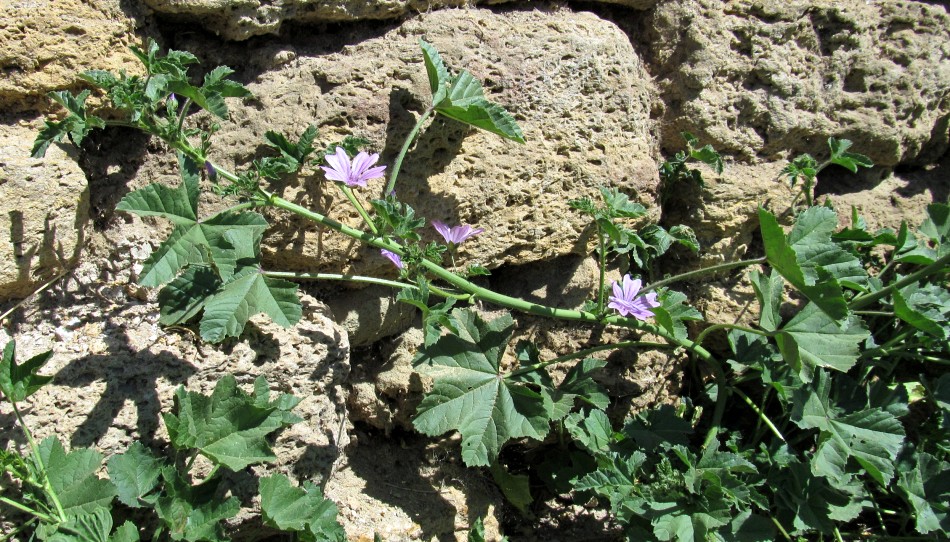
(44, 213)
(46, 44)
(756, 78)
(369, 315)
(572, 80)
(243, 19)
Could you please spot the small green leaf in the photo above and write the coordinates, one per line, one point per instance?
(437, 72)
(247, 294)
(593, 431)
(17, 382)
(469, 394)
(674, 312)
(927, 308)
(135, 474)
(770, 292)
(927, 489)
(649, 429)
(194, 513)
(92, 527)
(515, 487)
(466, 103)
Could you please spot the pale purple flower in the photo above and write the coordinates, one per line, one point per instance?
(627, 303)
(393, 257)
(456, 234)
(354, 173)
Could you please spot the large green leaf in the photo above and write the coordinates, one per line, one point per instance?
(769, 290)
(179, 205)
(229, 427)
(813, 339)
(927, 308)
(183, 298)
(436, 70)
(300, 509)
(805, 501)
(17, 382)
(873, 437)
(72, 477)
(249, 293)
(808, 276)
(135, 474)
(937, 226)
(469, 393)
(93, 527)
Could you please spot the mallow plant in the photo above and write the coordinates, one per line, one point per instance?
(837, 393)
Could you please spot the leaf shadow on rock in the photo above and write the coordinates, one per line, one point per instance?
(410, 473)
(130, 374)
(436, 146)
(111, 159)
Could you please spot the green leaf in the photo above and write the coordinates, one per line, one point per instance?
(937, 226)
(925, 307)
(648, 429)
(178, 205)
(807, 502)
(290, 508)
(437, 72)
(749, 527)
(91, 527)
(618, 205)
(135, 473)
(229, 427)
(515, 487)
(817, 285)
(927, 489)
(872, 436)
(850, 160)
(770, 292)
(593, 431)
(183, 298)
(17, 382)
(465, 102)
(470, 395)
(194, 513)
(579, 383)
(72, 477)
(127, 532)
(813, 339)
(249, 293)
(76, 126)
(617, 478)
(673, 313)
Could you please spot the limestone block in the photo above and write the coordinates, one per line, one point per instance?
(243, 19)
(572, 80)
(46, 44)
(755, 78)
(44, 212)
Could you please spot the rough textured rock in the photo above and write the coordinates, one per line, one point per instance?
(46, 44)
(370, 314)
(755, 78)
(243, 19)
(44, 213)
(572, 80)
(116, 370)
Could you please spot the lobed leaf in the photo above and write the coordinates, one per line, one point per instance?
(471, 396)
(17, 382)
(247, 294)
(290, 508)
(72, 476)
(813, 339)
(135, 473)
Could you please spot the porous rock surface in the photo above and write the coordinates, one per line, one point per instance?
(243, 19)
(46, 44)
(44, 212)
(572, 81)
(756, 78)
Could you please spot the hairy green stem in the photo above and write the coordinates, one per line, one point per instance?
(24, 508)
(765, 419)
(359, 208)
(181, 116)
(583, 353)
(38, 459)
(338, 276)
(701, 272)
(781, 529)
(602, 253)
(397, 165)
(864, 300)
(716, 327)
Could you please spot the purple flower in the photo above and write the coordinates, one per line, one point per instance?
(627, 303)
(212, 173)
(455, 235)
(393, 257)
(355, 173)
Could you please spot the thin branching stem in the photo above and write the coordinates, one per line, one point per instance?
(716, 327)
(938, 266)
(700, 272)
(586, 352)
(38, 459)
(602, 253)
(338, 276)
(765, 419)
(397, 165)
(348, 192)
(24, 508)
